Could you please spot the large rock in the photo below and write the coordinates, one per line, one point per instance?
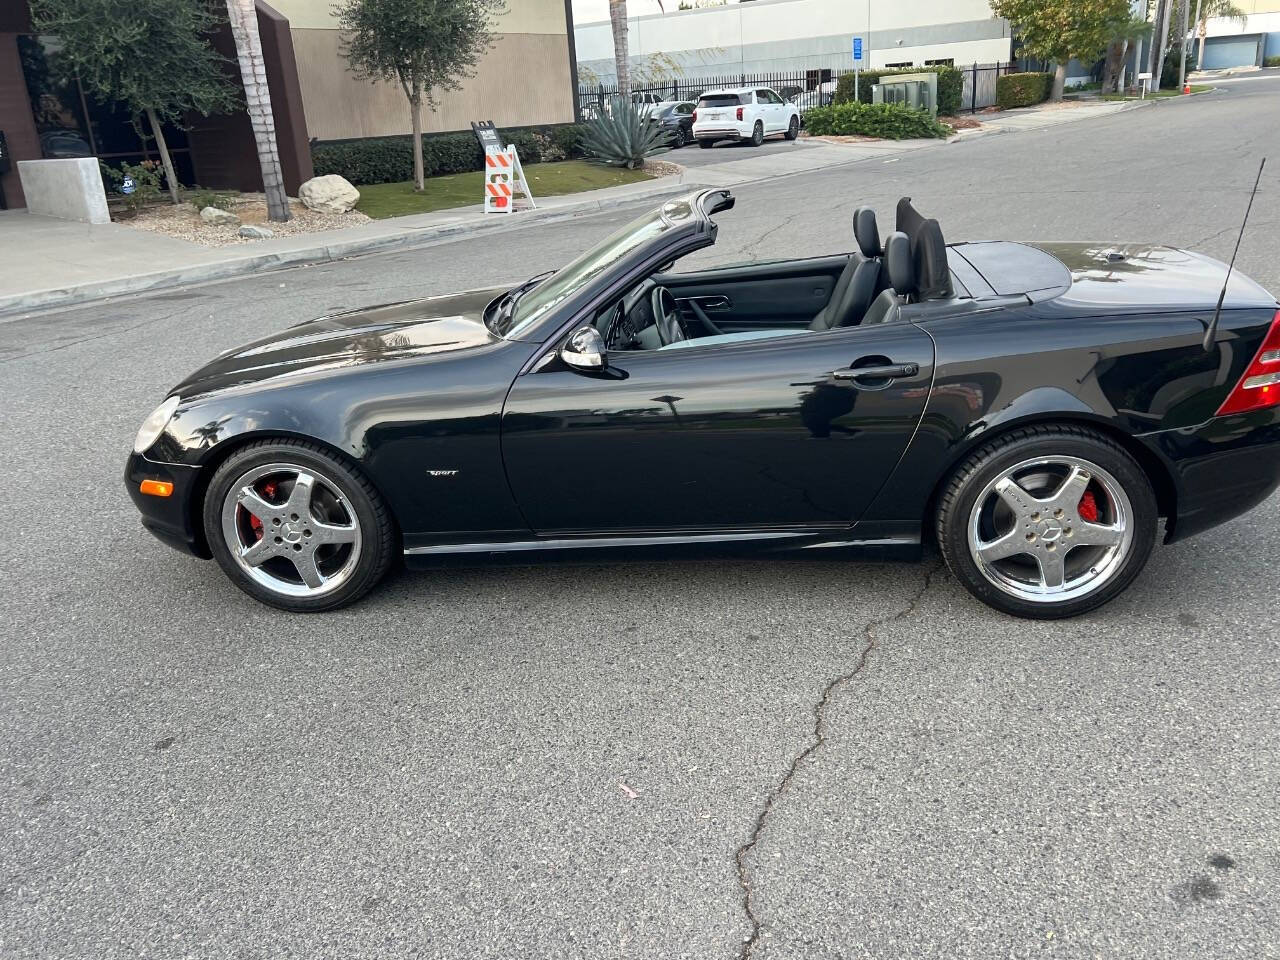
(328, 194)
(219, 218)
(251, 232)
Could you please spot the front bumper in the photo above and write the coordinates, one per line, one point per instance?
(171, 519)
(1221, 469)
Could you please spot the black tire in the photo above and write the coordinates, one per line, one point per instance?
(706, 144)
(681, 138)
(757, 134)
(377, 530)
(793, 129)
(972, 477)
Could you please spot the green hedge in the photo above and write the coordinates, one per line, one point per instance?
(1022, 89)
(950, 86)
(892, 121)
(1271, 62)
(390, 159)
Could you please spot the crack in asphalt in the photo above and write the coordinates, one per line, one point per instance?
(818, 739)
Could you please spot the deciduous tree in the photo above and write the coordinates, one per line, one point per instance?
(153, 56)
(426, 46)
(1058, 30)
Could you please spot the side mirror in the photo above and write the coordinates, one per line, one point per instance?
(584, 350)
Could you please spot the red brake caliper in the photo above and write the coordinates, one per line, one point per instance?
(1088, 507)
(269, 491)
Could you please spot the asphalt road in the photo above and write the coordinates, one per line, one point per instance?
(600, 761)
(727, 151)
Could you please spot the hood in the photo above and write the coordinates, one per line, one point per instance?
(357, 338)
(1133, 276)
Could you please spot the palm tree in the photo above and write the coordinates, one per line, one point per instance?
(1214, 10)
(253, 72)
(621, 55)
(1124, 34)
(618, 18)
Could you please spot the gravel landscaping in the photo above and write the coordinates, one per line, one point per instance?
(183, 221)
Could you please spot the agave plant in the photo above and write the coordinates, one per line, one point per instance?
(623, 135)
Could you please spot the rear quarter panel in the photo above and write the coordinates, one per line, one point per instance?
(1135, 376)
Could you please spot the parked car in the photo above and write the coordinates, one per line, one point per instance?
(676, 119)
(821, 96)
(641, 101)
(1035, 408)
(64, 144)
(748, 113)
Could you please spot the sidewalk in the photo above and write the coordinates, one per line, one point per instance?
(60, 263)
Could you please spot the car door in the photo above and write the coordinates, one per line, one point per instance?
(767, 111)
(770, 434)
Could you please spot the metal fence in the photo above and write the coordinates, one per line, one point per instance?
(810, 87)
(980, 85)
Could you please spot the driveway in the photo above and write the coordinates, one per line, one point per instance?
(727, 151)
(806, 759)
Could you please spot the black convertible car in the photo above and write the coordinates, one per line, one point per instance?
(1034, 407)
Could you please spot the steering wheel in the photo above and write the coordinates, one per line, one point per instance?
(666, 317)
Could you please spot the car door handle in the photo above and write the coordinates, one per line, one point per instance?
(891, 371)
(712, 303)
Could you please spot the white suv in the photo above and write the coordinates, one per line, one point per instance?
(748, 113)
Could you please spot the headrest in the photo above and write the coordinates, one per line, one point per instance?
(928, 252)
(866, 232)
(897, 263)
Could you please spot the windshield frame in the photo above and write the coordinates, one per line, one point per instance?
(639, 241)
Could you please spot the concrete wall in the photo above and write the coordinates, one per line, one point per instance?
(777, 35)
(65, 189)
(525, 79)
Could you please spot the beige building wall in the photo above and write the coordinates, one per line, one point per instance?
(523, 80)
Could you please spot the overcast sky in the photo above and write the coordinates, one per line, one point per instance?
(588, 11)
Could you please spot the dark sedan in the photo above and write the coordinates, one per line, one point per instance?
(676, 120)
(1035, 408)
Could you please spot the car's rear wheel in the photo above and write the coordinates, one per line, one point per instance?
(793, 129)
(1047, 522)
(706, 144)
(680, 139)
(757, 134)
(297, 528)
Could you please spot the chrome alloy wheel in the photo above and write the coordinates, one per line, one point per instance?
(291, 530)
(1051, 529)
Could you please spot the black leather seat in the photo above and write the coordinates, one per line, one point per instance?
(857, 285)
(899, 265)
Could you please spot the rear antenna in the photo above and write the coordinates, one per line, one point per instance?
(1211, 333)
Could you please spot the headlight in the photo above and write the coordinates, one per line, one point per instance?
(154, 425)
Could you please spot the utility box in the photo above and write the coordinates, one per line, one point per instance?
(918, 90)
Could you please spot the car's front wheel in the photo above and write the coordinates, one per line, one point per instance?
(296, 527)
(793, 128)
(680, 138)
(757, 134)
(1047, 521)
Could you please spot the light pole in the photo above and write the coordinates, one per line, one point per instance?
(1182, 59)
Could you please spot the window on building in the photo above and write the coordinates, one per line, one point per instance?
(895, 66)
(71, 123)
(948, 62)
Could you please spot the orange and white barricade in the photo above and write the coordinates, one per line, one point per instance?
(503, 180)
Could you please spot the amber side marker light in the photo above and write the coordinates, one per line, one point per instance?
(156, 488)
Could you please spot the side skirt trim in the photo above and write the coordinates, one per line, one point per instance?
(809, 540)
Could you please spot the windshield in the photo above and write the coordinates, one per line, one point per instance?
(534, 303)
